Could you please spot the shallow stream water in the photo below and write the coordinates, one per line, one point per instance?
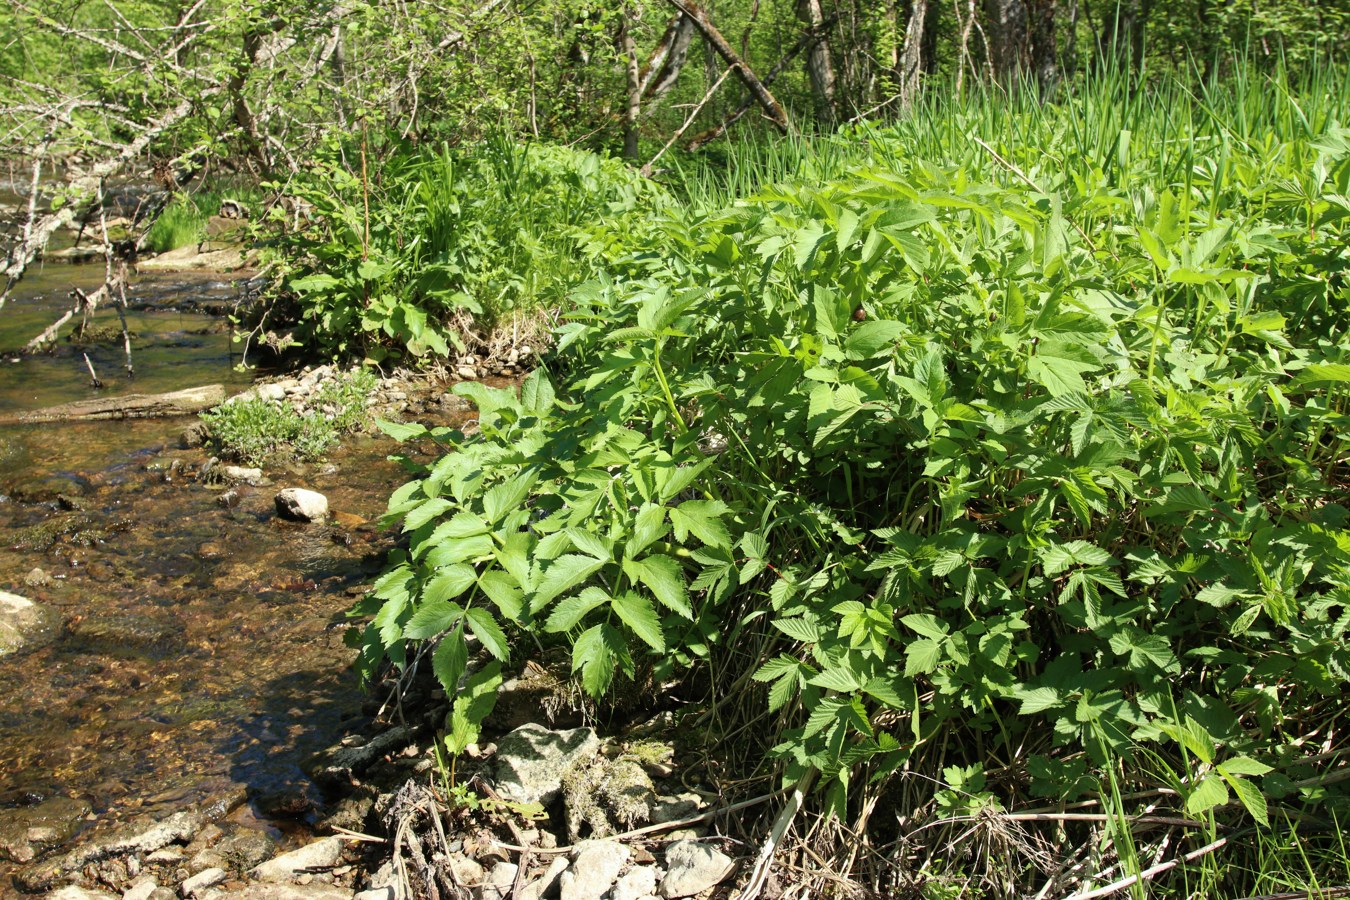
(202, 649)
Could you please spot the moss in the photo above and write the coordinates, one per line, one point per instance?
(605, 796)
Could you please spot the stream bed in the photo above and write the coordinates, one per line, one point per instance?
(202, 648)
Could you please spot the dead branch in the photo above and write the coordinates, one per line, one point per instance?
(805, 42)
(758, 89)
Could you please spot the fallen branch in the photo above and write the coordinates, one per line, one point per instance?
(758, 89)
(131, 406)
(764, 862)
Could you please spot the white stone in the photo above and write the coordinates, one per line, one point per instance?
(206, 878)
(595, 866)
(300, 505)
(692, 868)
(71, 892)
(635, 884)
(322, 854)
(536, 889)
(531, 760)
(24, 624)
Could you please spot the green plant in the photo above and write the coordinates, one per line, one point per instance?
(257, 430)
(999, 464)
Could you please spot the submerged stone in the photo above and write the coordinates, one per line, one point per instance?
(25, 625)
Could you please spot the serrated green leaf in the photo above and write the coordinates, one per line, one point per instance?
(922, 657)
(425, 512)
(571, 610)
(648, 527)
(703, 519)
(449, 583)
(486, 629)
(803, 630)
(1244, 765)
(638, 614)
(401, 431)
(563, 574)
(431, 619)
(926, 625)
(1206, 795)
(664, 577)
(1252, 799)
(449, 661)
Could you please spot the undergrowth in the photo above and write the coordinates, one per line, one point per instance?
(257, 430)
(992, 474)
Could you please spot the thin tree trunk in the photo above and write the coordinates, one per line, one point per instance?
(663, 69)
(911, 54)
(819, 65)
(633, 78)
(757, 88)
(1006, 32)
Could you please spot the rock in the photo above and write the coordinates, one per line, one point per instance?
(499, 881)
(672, 809)
(194, 436)
(242, 475)
(322, 854)
(608, 796)
(531, 760)
(351, 812)
(465, 871)
(384, 893)
(246, 848)
(25, 625)
(72, 892)
(37, 578)
(136, 837)
(300, 505)
(207, 878)
(205, 860)
(468, 373)
(53, 821)
(314, 891)
(692, 868)
(120, 633)
(187, 259)
(542, 885)
(144, 888)
(636, 884)
(595, 866)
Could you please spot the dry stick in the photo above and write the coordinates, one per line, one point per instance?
(679, 132)
(1326, 893)
(760, 874)
(93, 376)
(652, 829)
(1122, 884)
(757, 88)
(1034, 186)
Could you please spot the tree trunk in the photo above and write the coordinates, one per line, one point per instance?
(663, 69)
(633, 79)
(819, 65)
(1044, 48)
(1006, 27)
(911, 54)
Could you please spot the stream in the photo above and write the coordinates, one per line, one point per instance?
(202, 652)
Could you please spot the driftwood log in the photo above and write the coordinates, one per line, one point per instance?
(131, 406)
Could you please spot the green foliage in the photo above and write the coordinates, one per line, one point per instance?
(1037, 454)
(257, 430)
(180, 225)
(452, 240)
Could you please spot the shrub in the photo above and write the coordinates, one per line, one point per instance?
(257, 430)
